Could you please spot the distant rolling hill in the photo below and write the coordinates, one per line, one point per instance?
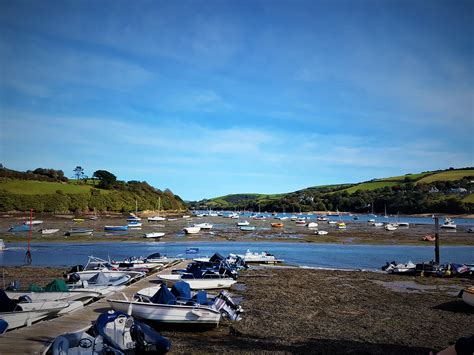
(410, 193)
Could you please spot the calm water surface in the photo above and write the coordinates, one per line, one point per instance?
(302, 254)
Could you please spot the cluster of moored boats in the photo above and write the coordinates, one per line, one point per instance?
(179, 297)
(432, 268)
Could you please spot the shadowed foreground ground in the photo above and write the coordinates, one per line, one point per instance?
(327, 312)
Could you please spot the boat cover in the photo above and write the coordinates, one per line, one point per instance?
(99, 279)
(57, 285)
(163, 296)
(201, 298)
(3, 326)
(35, 288)
(181, 291)
(154, 256)
(6, 304)
(216, 258)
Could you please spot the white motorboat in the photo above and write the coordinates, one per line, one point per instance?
(49, 231)
(192, 230)
(200, 284)
(156, 219)
(448, 224)
(371, 220)
(312, 225)
(21, 314)
(34, 222)
(95, 265)
(377, 224)
(68, 296)
(321, 232)
(204, 225)
(112, 333)
(186, 216)
(332, 222)
(394, 268)
(262, 258)
(154, 235)
(390, 227)
(468, 295)
(403, 224)
(179, 305)
(243, 223)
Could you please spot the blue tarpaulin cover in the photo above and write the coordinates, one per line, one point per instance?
(163, 296)
(181, 290)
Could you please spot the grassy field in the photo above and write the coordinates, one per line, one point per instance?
(469, 198)
(449, 175)
(370, 186)
(31, 187)
(412, 177)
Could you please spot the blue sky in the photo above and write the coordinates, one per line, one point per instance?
(215, 97)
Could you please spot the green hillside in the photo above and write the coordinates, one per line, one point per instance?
(31, 187)
(47, 190)
(426, 192)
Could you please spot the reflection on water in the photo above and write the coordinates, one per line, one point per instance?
(303, 254)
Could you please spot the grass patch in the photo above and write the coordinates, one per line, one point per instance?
(367, 186)
(469, 198)
(32, 187)
(449, 175)
(412, 177)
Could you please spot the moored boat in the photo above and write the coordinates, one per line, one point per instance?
(34, 222)
(390, 227)
(467, 295)
(277, 225)
(247, 228)
(115, 228)
(192, 230)
(204, 225)
(154, 235)
(243, 223)
(79, 232)
(448, 224)
(312, 225)
(208, 283)
(321, 232)
(261, 258)
(49, 231)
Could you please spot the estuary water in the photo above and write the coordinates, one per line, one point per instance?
(345, 256)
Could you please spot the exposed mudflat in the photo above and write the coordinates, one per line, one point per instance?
(225, 229)
(292, 310)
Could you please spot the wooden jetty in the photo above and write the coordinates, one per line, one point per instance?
(37, 338)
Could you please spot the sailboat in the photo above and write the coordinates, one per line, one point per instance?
(157, 218)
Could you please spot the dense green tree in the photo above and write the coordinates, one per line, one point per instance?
(106, 179)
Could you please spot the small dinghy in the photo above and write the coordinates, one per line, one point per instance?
(49, 231)
(18, 314)
(467, 295)
(113, 333)
(192, 230)
(395, 268)
(154, 235)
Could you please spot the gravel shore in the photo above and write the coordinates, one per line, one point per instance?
(293, 310)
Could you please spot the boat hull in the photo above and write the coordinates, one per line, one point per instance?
(171, 314)
(200, 284)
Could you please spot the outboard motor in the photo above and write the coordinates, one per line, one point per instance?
(224, 304)
(149, 340)
(73, 278)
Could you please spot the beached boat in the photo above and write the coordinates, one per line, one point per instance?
(312, 225)
(322, 219)
(179, 306)
(49, 231)
(321, 232)
(261, 258)
(192, 230)
(448, 224)
(154, 235)
(247, 228)
(115, 228)
(161, 259)
(429, 238)
(156, 219)
(34, 222)
(341, 225)
(113, 333)
(18, 314)
(400, 268)
(78, 220)
(243, 223)
(390, 227)
(277, 225)
(467, 295)
(301, 222)
(19, 228)
(204, 225)
(79, 232)
(214, 282)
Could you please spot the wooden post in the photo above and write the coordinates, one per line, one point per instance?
(437, 239)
